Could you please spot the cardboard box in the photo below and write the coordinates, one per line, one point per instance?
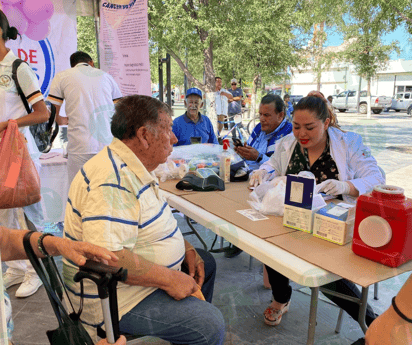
(300, 203)
(334, 223)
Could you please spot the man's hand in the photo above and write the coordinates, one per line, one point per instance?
(78, 252)
(196, 266)
(181, 285)
(247, 152)
(3, 126)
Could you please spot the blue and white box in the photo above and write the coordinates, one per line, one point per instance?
(334, 223)
(299, 203)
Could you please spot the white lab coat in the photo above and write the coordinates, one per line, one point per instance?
(353, 159)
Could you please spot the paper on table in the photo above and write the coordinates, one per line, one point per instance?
(252, 214)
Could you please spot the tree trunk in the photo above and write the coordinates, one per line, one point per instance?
(253, 103)
(368, 99)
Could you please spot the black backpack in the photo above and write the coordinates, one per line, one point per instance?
(43, 133)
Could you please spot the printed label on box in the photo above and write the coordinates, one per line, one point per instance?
(298, 218)
(296, 192)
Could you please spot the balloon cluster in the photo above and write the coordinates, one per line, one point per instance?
(30, 17)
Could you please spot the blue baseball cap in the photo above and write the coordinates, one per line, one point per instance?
(194, 91)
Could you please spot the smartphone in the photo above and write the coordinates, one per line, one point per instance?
(237, 142)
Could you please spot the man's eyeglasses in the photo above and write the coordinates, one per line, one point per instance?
(233, 83)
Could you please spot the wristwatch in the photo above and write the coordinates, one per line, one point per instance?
(260, 157)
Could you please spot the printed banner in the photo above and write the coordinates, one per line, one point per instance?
(46, 45)
(124, 45)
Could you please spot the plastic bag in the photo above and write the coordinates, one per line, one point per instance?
(269, 197)
(19, 179)
(201, 155)
(170, 170)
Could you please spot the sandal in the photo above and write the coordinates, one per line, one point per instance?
(274, 316)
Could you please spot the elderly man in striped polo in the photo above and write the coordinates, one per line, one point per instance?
(115, 202)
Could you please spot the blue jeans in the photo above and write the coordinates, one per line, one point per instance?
(188, 321)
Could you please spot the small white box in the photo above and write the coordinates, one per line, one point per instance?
(334, 223)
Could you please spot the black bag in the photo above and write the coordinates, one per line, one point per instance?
(235, 168)
(70, 330)
(43, 133)
(193, 182)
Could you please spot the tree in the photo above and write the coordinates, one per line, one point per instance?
(86, 37)
(244, 38)
(364, 25)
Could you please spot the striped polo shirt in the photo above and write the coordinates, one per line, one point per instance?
(114, 202)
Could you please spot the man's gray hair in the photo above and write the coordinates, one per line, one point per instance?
(133, 112)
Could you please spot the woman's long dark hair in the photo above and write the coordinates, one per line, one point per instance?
(8, 32)
(320, 107)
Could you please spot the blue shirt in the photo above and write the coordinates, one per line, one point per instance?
(184, 128)
(235, 107)
(265, 143)
(289, 110)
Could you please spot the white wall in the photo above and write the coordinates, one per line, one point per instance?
(341, 77)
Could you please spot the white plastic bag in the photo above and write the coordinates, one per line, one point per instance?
(269, 197)
(170, 170)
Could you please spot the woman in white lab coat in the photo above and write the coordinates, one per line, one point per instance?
(11, 107)
(342, 166)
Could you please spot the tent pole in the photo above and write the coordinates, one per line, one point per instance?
(96, 6)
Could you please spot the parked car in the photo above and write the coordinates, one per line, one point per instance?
(402, 101)
(347, 100)
(295, 98)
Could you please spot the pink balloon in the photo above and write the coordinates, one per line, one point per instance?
(38, 11)
(10, 2)
(17, 19)
(38, 31)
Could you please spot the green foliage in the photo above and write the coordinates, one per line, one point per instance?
(364, 25)
(86, 37)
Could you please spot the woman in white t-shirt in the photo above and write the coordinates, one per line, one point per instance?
(11, 107)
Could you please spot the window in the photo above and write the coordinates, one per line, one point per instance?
(343, 94)
(401, 88)
(407, 95)
(408, 88)
(363, 93)
(399, 96)
(351, 94)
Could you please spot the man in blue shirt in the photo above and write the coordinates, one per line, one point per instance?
(235, 104)
(273, 126)
(193, 127)
(289, 107)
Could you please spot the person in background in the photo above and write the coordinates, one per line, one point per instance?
(11, 248)
(235, 105)
(192, 127)
(221, 103)
(90, 95)
(343, 166)
(12, 108)
(272, 127)
(330, 99)
(115, 201)
(394, 326)
(289, 107)
(261, 143)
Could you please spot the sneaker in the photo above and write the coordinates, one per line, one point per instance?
(232, 251)
(30, 285)
(10, 278)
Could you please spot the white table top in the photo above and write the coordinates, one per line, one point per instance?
(279, 259)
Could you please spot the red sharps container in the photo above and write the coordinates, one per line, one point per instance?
(383, 226)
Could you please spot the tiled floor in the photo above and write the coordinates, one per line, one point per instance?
(239, 294)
